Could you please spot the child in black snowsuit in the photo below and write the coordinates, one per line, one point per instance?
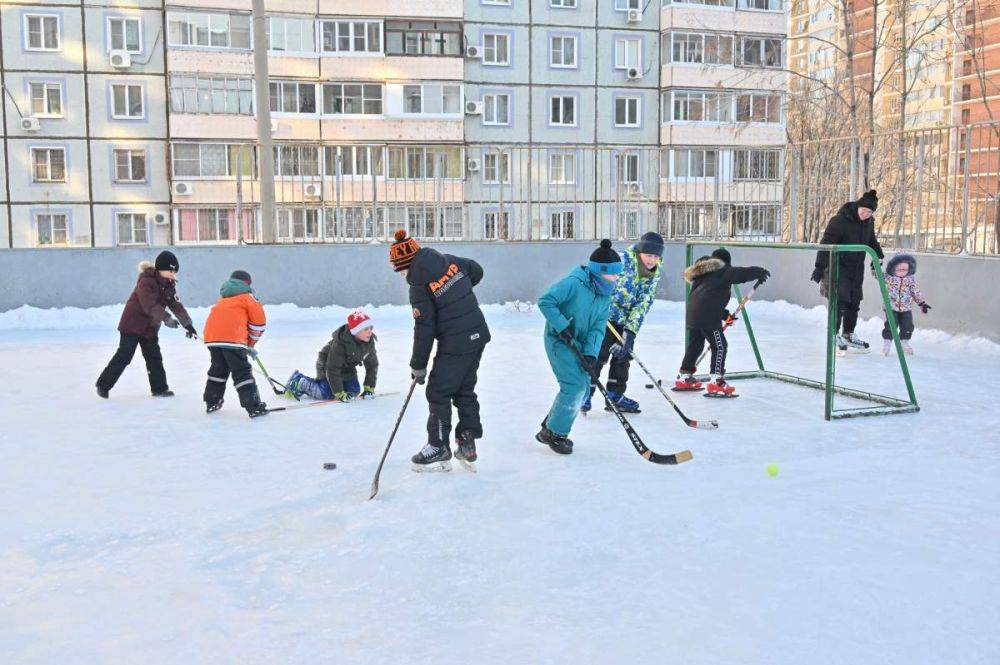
(711, 279)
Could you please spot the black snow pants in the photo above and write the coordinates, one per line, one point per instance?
(618, 374)
(123, 356)
(905, 322)
(849, 297)
(452, 380)
(696, 342)
(226, 362)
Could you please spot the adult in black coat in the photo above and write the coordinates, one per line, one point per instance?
(852, 225)
(445, 309)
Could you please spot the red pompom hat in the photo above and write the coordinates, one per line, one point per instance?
(358, 320)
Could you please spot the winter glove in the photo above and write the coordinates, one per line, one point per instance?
(368, 393)
(171, 322)
(191, 332)
(817, 275)
(343, 396)
(567, 335)
(728, 317)
(924, 307)
(589, 365)
(623, 349)
(767, 273)
(879, 267)
(418, 375)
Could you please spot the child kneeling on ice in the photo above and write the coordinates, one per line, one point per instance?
(901, 280)
(711, 279)
(351, 345)
(235, 324)
(576, 310)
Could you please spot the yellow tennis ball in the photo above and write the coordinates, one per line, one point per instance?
(772, 469)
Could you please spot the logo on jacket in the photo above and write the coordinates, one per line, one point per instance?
(440, 286)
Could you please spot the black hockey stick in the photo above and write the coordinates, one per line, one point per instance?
(275, 385)
(640, 447)
(697, 424)
(378, 471)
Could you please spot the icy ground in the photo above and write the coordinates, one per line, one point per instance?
(144, 531)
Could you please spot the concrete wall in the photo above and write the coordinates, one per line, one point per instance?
(318, 275)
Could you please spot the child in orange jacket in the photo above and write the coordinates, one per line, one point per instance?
(234, 326)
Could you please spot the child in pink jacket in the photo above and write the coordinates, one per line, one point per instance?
(900, 278)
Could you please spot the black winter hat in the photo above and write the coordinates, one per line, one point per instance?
(723, 255)
(241, 275)
(605, 260)
(166, 260)
(869, 200)
(650, 243)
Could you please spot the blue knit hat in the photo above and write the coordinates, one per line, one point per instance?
(605, 260)
(650, 243)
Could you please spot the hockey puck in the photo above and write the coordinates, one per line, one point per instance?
(330, 465)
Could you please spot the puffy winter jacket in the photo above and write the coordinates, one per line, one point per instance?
(903, 291)
(846, 228)
(444, 306)
(634, 291)
(342, 354)
(237, 320)
(711, 281)
(147, 307)
(574, 300)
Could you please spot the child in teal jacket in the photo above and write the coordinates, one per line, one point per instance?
(576, 310)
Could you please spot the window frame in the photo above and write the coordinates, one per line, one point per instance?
(26, 32)
(500, 224)
(562, 97)
(318, 220)
(687, 177)
(762, 155)
(423, 86)
(179, 90)
(352, 38)
(131, 154)
(753, 95)
(508, 42)
(426, 36)
(562, 156)
(229, 160)
(501, 167)
(128, 85)
(343, 85)
(638, 111)
(564, 4)
(48, 150)
(625, 41)
(134, 217)
(565, 220)
(51, 215)
(496, 108)
(313, 24)
(299, 101)
(574, 40)
(123, 19)
(190, 30)
(46, 100)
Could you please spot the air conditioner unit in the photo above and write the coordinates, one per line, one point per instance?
(161, 218)
(473, 164)
(120, 59)
(473, 108)
(634, 16)
(634, 188)
(473, 51)
(633, 74)
(30, 124)
(183, 189)
(313, 190)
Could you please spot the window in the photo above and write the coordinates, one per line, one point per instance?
(296, 160)
(694, 163)
(697, 106)
(130, 165)
(624, 5)
(294, 35)
(432, 99)
(562, 110)
(362, 37)
(419, 163)
(563, 4)
(627, 111)
(358, 160)
(352, 99)
(125, 34)
(562, 52)
(760, 52)
(758, 107)
(561, 225)
(48, 164)
(211, 94)
(496, 108)
(350, 223)
(628, 223)
(222, 31)
(756, 165)
(628, 167)
(628, 53)
(768, 5)
(496, 225)
(755, 220)
(126, 101)
(699, 48)
(212, 160)
(298, 224)
(562, 168)
(496, 49)
(43, 32)
(502, 3)
(132, 228)
(707, 3)
(423, 38)
(53, 229)
(293, 97)
(46, 100)
(496, 167)
(213, 224)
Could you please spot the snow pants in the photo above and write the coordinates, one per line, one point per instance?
(849, 297)
(320, 388)
(696, 342)
(123, 356)
(573, 386)
(905, 322)
(618, 374)
(226, 362)
(452, 380)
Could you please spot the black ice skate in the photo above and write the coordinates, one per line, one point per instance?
(465, 451)
(558, 444)
(432, 458)
(211, 407)
(257, 410)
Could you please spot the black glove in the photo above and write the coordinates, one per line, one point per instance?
(817, 275)
(765, 273)
(879, 267)
(623, 349)
(191, 332)
(728, 317)
(418, 375)
(924, 307)
(567, 335)
(589, 365)
(171, 322)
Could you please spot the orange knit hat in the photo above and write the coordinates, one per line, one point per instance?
(402, 251)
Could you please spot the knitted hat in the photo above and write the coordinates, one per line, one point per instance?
(402, 251)
(241, 275)
(723, 255)
(166, 260)
(358, 320)
(650, 243)
(869, 200)
(605, 260)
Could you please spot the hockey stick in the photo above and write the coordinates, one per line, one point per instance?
(697, 424)
(378, 471)
(275, 385)
(640, 447)
(324, 402)
(731, 320)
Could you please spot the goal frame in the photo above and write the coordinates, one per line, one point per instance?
(882, 404)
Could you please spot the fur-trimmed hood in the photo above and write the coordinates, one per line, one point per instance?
(144, 266)
(908, 259)
(701, 268)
